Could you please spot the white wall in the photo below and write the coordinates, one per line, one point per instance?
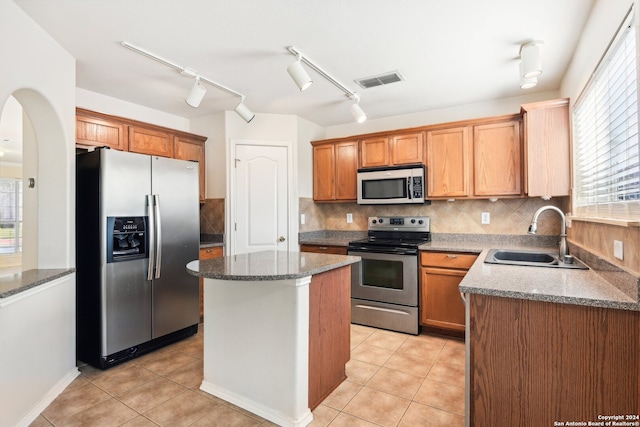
(116, 107)
(497, 107)
(40, 351)
(213, 127)
(606, 17)
(307, 132)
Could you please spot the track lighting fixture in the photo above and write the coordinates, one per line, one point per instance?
(355, 108)
(244, 111)
(197, 91)
(527, 83)
(299, 74)
(357, 112)
(530, 60)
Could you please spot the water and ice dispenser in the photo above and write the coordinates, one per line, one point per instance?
(126, 238)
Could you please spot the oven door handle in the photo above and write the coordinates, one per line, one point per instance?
(387, 310)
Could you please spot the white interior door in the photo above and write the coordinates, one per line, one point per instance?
(261, 194)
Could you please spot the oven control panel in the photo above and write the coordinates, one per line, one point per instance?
(406, 223)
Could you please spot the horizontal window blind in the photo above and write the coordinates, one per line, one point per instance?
(605, 122)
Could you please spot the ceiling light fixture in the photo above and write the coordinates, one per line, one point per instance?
(244, 111)
(357, 112)
(361, 116)
(299, 74)
(197, 91)
(527, 83)
(530, 60)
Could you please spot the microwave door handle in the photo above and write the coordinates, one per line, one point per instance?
(409, 188)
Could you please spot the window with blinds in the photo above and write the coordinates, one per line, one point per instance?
(605, 134)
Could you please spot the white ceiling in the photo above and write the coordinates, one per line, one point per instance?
(451, 53)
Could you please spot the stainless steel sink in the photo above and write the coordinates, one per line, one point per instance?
(532, 258)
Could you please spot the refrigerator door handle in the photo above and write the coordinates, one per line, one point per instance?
(152, 240)
(156, 205)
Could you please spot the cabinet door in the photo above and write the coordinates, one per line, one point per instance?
(448, 162)
(497, 159)
(150, 141)
(346, 170)
(100, 132)
(407, 149)
(190, 149)
(374, 152)
(546, 148)
(324, 172)
(440, 302)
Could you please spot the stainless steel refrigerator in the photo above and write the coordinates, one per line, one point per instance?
(137, 226)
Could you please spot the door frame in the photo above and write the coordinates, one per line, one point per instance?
(230, 202)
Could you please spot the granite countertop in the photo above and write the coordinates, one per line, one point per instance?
(20, 282)
(577, 287)
(268, 265)
(600, 286)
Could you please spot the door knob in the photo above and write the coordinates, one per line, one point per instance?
(281, 239)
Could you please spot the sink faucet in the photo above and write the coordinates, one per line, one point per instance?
(533, 228)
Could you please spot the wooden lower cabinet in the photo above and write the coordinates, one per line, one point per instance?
(324, 249)
(207, 253)
(535, 363)
(441, 306)
(329, 332)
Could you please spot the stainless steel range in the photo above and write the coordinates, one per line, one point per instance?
(384, 290)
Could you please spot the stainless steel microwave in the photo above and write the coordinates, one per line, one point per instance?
(391, 185)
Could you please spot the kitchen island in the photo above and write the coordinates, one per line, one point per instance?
(276, 330)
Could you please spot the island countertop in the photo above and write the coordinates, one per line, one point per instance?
(268, 265)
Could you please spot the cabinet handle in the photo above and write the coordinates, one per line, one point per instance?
(464, 300)
(323, 248)
(452, 256)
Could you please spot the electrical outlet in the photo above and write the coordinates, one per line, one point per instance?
(618, 249)
(486, 218)
(302, 219)
(349, 218)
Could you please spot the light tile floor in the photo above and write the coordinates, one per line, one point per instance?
(393, 379)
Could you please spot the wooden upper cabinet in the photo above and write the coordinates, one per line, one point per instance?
(392, 150)
(324, 172)
(448, 162)
(146, 140)
(335, 167)
(497, 159)
(346, 170)
(374, 152)
(407, 149)
(191, 148)
(100, 132)
(546, 148)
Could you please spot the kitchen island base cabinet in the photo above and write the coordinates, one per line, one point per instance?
(277, 348)
(534, 363)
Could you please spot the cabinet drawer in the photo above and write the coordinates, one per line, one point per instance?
(212, 252)
(447, 259)
(324, 249)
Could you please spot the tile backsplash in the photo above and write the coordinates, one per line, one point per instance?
(507, 216)
(212, 216)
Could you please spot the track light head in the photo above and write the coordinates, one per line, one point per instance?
(196, 94)
(527, 83)
(299, 75)
(530, 60)
(244, 112)
(358, 113)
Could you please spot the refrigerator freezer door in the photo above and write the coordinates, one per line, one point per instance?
(175, 292)
(126, 304)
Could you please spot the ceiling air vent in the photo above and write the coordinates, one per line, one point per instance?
(382, 79)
